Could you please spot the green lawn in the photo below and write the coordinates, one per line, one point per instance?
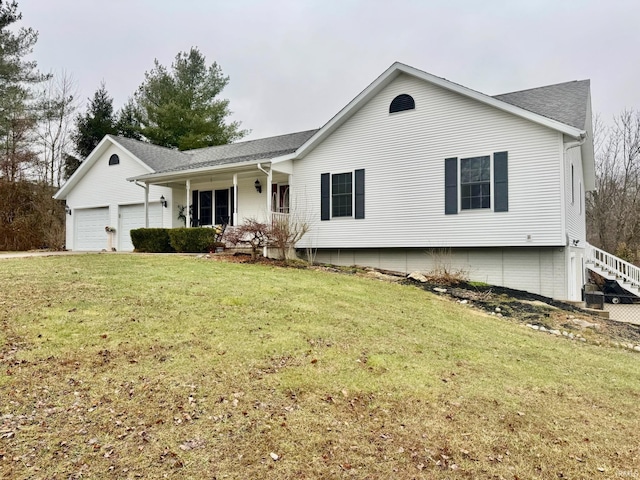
(133, 366)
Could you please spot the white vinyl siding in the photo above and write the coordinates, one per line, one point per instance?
(404, 159)
(536, 270)
(575, 218)
(105, 185)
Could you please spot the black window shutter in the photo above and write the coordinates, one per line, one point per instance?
(194, 208)
(450, 186)
(325, 196)
(232, 204)
(359, 193)
(500, 182)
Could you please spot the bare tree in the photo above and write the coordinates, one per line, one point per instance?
(251, 232)
(58, 104)
(16, 154)
(288, 229)
(613, 209)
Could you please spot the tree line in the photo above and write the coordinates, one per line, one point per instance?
(44, 136)
(613, 208)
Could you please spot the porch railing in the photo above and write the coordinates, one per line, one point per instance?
(624, 271)
(278, 217)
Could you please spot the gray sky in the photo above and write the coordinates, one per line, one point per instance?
(295, 64)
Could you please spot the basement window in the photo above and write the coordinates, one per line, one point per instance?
(114, 159)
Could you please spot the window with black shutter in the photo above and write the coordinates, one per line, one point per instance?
(475, 185)
(342, 195)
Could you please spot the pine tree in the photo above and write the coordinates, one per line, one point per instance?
(181, 107)
(95, 123)
(17, 75)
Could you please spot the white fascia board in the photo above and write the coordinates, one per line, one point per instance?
(283, 166)
(152, 178)
(80, 171)
(283, 158)
(88, 163)
(507, 107)
(351, 108)
(396, 69)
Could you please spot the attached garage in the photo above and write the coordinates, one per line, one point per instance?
(132, 216)
(89, 228)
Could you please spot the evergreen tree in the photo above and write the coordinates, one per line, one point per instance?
(95, 123)
(127, 124)
(180, 107)
(17, 75)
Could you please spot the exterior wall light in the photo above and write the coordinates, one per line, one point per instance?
(163, 201)
(258, 186)
(67, 209)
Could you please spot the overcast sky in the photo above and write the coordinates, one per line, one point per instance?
(295, 64)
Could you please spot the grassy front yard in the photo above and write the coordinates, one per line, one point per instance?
(132, 366)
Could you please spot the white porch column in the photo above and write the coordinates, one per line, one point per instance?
(146, 205)
(187, 222)
(235, 200)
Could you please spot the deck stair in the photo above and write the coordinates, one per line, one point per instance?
(613, 268)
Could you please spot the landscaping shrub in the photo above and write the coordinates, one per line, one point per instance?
(192, 240)
(151, 240)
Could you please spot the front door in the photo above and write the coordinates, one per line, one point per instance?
(222, 207)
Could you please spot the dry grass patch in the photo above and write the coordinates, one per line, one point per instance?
(131, 366)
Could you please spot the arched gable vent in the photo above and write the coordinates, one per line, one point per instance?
(114, 159)
(402, 102)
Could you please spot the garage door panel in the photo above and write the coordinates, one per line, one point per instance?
(132, 216)
(89, 229)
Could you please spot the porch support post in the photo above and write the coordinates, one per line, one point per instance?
(187, 213)
(234, 212)
(146, 205)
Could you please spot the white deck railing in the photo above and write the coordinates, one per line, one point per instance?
(277, 217)
(623, 270)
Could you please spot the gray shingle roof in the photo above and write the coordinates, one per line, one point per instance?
(158, 158)
(281, 144)
(565, 102)
(162, 159)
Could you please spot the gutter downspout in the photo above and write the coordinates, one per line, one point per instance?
(268, 188)
(570, 243)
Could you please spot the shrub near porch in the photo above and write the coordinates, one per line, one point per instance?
(194, 369)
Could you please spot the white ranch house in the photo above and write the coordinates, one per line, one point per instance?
(415, 163)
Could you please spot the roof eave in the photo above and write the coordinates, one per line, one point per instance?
(184, 174)
(89, 161)
(396, 69)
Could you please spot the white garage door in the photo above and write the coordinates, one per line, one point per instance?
(132, 216)
(89, 229)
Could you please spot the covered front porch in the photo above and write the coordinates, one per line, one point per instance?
(224, 196)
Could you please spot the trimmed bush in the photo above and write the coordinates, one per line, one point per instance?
(192, 240)
(151, 240)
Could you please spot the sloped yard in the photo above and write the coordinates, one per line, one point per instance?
(133, 366)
